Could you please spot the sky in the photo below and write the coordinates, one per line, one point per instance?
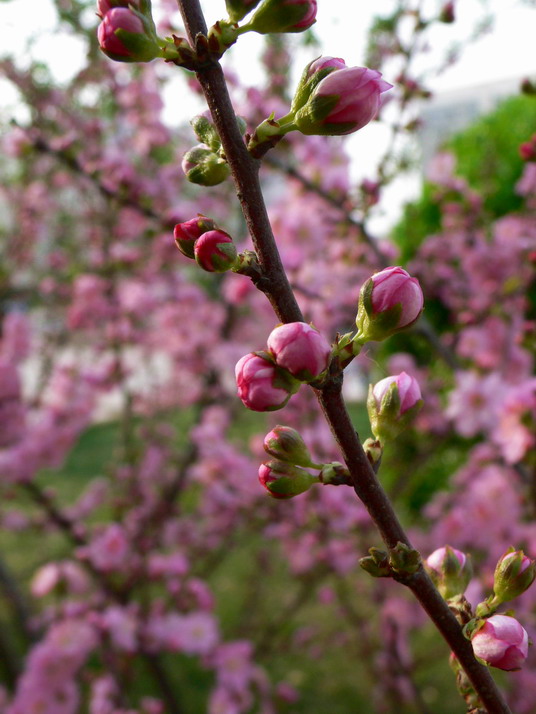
(506, 51)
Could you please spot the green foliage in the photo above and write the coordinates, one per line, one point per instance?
(487, 155)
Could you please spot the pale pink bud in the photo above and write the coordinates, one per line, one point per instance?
(300, 349)
(256, 380)
(394, 286)
(409, 391)
(215, 251)
(437, 559)
(502, 642)
(343, 102)
(118, 18)
(9, 382)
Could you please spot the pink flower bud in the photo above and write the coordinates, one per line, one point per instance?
(187, 233)
(514, 574)
(392, 404)
(300, 349)
(389, 301)
(409, 391)
(286, 444)
(123, 36)
(343, 102)
(502, 642)
(283, 480)
(394, 286)
(215, 251)
(450, 570)
(258, 384)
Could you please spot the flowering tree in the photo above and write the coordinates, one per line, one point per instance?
(159, 594)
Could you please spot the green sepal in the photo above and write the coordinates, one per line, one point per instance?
(290, 447)
(222, 35)
(237, 9)
(386, 422)
(210, 169)
(206, 132)
(335, 474)
(277, 16)
(509, 582)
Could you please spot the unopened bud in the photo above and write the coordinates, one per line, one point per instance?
(514, 574)
(283, 16)
(215, 251)
(300, 349)
(451, 571)
(389, 301)
(126, 36)
(286, 444)
(202, 166)
(392, 405)
(283, 480)
(377, 563)
(262, 386)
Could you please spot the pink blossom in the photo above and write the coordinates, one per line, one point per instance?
(300, 349)
(502, 642)
(109, 550)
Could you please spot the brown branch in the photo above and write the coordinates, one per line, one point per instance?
(277, 289)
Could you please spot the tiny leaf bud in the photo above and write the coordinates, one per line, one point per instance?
(206, 132)
(377, 563)
(392, 405)
(286, 444)
(389, 301)
(215, 251)
(451, 571)
(300, 349)
(187, 233)
(204, 167)
(501, 642)
(283, 480)
(404, 560)
(514, 574)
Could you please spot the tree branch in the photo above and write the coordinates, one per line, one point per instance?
(277, 288)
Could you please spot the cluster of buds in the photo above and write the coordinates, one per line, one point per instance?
(498, 640)
(297, 353)
(212, 248)
(331, 99)
(284, 475)
(205, 163)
